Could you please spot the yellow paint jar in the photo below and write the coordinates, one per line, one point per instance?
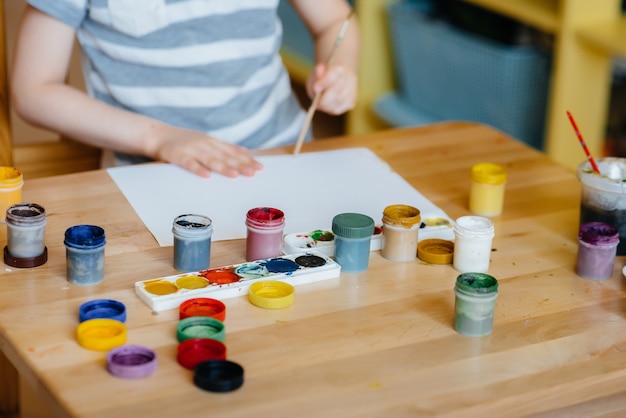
(11, 182)
(488, 182)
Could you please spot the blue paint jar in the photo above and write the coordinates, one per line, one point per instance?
(353, 233)
(84, 252)
(192, 242)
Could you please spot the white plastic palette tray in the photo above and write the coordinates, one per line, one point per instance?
(225, 282)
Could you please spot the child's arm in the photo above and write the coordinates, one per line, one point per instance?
(41, 97)
(324, 19)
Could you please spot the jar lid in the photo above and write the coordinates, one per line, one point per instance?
(200, 327)
(271, 294)
(476, 226)
(488, 173)
(10, 177)
(101, 334)
(27, 262)
(435, 251)
(192, 225)
(265, 217)
(401, 215)
(598, 233)
(203, 307)
(102, 308)
(353, 225)
(218, 375)
(25, 214)
(84, 236)
(613, 175)
(477, 283)
(131, 361)
(193, 351)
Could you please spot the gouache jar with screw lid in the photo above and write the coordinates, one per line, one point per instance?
(26, 225)
(11, 182)
(264, 237)
(84, 251)
(401, 224)
(472, 245)
(488, 183)
(353, 233)
(475, 296)
(597, 248)
(192, 242)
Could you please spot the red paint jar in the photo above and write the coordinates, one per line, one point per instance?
(265, 233)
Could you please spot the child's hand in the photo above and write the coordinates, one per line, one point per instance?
(338, 86)
(202, 154)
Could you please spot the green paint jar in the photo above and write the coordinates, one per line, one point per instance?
(474, 304)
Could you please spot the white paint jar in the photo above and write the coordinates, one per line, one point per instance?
(472, 246)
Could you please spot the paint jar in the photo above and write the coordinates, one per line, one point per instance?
(265, 233)
(192, 242)
(603, 197)
(26, 225)
(11, 182)
(475, 297)
(401, 224)
(353, 233)
(487, 186)
(597, 247)
(84, 252)
(472, 246)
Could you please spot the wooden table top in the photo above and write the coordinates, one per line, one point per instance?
(376, 343)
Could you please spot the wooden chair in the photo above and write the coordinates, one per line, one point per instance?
(43, 158)
(6, 156)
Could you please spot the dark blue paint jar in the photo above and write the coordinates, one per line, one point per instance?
(192, 242)
(353, 233)
(84, 252)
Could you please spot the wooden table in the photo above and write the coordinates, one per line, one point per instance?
(377, 343)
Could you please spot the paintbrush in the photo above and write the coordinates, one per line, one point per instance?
(309, 113)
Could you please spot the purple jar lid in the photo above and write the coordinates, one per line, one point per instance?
(131, 361)
(598, 233)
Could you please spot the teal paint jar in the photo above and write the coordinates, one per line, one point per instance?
(84, 252)
(353, 233)
(474, 304)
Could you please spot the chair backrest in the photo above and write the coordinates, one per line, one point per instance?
(36, 152)
(6, 149)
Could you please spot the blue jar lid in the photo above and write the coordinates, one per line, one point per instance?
(102, 308)
(84, 236)
(353, 225)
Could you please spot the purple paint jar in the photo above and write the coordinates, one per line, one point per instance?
(264, 238)
(596, 250)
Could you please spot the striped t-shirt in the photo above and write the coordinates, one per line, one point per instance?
(208, 65)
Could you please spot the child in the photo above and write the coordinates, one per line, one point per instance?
(196, 83)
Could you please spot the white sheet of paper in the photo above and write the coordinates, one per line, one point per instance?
(310, 188)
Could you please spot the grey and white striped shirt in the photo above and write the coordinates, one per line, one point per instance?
(207, 65)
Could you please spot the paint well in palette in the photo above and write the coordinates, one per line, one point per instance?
(229, 281)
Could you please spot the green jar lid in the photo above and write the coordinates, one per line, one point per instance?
(476, 283)
(353, 225)
(200, 327)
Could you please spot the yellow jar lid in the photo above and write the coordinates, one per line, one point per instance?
(271, 294)
(10, 177)
(488, 173)
(435, 251)
(101, 334)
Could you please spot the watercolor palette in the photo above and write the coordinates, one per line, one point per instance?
(323, 241)
(224, 282)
